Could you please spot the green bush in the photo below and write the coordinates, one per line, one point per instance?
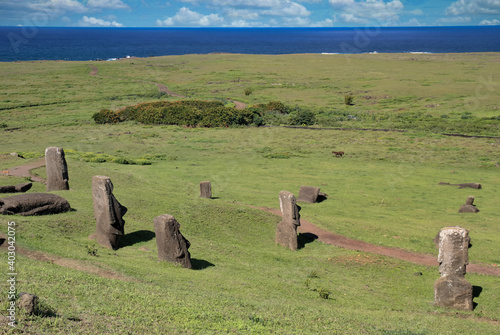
(302, 117)
(106, 116)
(349, 100)
(248, 91)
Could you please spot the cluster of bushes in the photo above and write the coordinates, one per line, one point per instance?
(101, 158)
(193, 113)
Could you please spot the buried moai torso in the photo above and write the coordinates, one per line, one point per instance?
(452, 290)
(57, 169)
(172, 245)
(108, 213)
(286, 231)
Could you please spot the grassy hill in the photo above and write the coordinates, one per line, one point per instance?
(385, 191)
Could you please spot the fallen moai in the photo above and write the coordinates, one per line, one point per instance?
(469, 206)
(286, 231)
(108, 213)
(452, 290)
(464, 185)
(172, 245)
(205, 189)
(34, 204)
(308, 194)
(57, 169)
(20, 188)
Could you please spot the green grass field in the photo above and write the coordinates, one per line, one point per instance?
(385, 191)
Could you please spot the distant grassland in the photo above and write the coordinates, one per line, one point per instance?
(389, 90)
(385, 191)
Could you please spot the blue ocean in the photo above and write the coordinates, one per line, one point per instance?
(47, 43)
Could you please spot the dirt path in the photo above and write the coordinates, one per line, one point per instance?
(162, 88)
(25, 170)
(348, 243)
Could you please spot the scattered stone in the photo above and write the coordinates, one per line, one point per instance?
(286, 231)
(452, 290)
(205, 189)
(57, 169)
(308, 194)
(27, 301)
(34, 204)
(469, 206)
(15, 154)
(20, 188)
(172, 246)
(108, 213)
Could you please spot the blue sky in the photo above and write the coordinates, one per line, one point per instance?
(248, 13)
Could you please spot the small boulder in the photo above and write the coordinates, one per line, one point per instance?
(27, 302)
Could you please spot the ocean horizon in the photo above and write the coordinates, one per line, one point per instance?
(81, 44)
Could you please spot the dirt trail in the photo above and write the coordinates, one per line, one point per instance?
(348, 243)
(25, 170)
(162, 88)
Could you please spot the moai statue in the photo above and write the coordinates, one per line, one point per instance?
(452, 289)
(205, 189)
(286, 231)
(57, 170)
(108, 213)
(172, 246)
(308, 194)
(469, 206)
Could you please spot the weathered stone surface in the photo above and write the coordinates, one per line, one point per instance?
(27, 302)
(108, 213)
(452, 290)
(34, 204)
(57, 169)
(172, 246)
(469, 206)
(16, 188)
(286, 231)
(308, 194)
(205, 189)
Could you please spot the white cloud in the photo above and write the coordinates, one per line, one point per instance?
(288, 9)
(416, 12)
(461, 7)
(187, 18)
(367, 11)
(94, 22)
(457, 19)
(242, 13)
(58, 6)
(107, 4)
(493, 22)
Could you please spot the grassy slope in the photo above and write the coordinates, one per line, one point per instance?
(385, 191)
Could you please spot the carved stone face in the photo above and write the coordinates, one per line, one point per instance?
(453, 251)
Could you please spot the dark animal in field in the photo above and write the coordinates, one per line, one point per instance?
(338, 153)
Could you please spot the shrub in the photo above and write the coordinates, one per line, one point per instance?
(302, 117)
(248, 91)
(106, 116)
(349, 100)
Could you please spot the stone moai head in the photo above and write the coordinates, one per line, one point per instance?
(108, 213)
(172, 245)
(289, 208)
(453, 251)
(57, 169)
(205, 189)
(286, 231)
